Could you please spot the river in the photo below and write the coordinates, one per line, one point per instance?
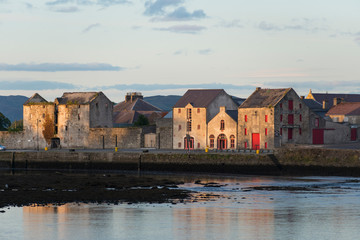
(277, 208)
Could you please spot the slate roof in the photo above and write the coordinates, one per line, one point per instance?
(346, 108)
(128, 112)
(36, 98)
(198, 97)
(233, 114)
(77, 97)
(329, 97)
(264, 97)
(312, 104)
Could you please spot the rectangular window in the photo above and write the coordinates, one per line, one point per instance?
(265, 131)
(300, 106)
(198, 110)
(291, 105)
(291, 119)
(199, 127)
(189, 113)
(188, 126)
(265, 145)
(245, 131)
(245, 144)
(222, 125)
(266, 118)
(316, 122)
(300, 118)
(299, 131)
(245, 118)
(179, 144)
(211, 143)
(232, 143)
(179, 127)
(280, 131)
(198, 145)
(280, 105)
(280, 117)
(179, 110)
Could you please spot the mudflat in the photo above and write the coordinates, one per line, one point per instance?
(43, 188)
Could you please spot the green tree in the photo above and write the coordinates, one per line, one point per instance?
(4, 122)
(16, 126)
(142, 121)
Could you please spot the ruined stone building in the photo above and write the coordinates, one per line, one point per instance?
(192, 113)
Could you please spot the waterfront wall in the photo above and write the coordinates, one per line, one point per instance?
(282, 162)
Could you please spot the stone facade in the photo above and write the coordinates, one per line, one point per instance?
(164, 129)
(270, 118)
(222, 130)
(192, 113)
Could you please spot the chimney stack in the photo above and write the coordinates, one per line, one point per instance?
(132, 96)
(258, 88)
(336, 101)
(325, 104)
(302, 97)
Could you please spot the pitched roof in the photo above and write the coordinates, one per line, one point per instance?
(198, 97)
(77, 97)
(36, 98)
(233, 114)
(137, 105)
(312, 104)
(347, 108)
(329, 97)
(264, 97)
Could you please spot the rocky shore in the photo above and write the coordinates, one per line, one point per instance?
(33, 188)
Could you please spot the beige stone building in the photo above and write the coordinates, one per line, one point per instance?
(270, 118)
(222, 130)
(192, 113)
(37, 114)
(77, 112)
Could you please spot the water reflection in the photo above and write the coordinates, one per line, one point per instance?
(330, 212)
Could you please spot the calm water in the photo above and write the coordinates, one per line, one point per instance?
(330, 209)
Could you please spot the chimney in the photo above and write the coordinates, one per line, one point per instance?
(132, 96)
(325, 104)
(336, 101)
(302, 97)
(258, 88)
(222, 109)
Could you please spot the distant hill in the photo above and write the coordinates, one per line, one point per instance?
(163, 102)
(12, 106)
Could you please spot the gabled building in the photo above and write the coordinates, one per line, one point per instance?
(270, 118)
(192, 113)
(38, 114)
(77, 112)
(222, 130)
(331, 99)
(347, 113)
(127, 112)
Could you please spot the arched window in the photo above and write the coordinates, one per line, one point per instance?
(222, 125)
(212, 137)
(232, 141)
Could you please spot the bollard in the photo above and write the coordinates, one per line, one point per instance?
(257, 151)
(46, 148)
(206, 149)
(116, 149)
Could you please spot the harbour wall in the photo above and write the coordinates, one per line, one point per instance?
(319, 162)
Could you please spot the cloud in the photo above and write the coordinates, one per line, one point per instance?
(104, 3)
(205, 51)
(57, 67)
(35, 85)
(231, 24)
(179, 52)
(305, 24)
(28, 5)
(69, 9)
(181, 14)
(188, 29)
(92, 26)
(157, 7)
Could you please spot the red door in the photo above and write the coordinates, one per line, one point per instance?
(290, 133)
(255, 141)
(353, 134)
(318, 136)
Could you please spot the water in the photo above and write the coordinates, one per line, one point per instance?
(303, 208)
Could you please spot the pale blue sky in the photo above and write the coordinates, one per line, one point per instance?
(116, 46)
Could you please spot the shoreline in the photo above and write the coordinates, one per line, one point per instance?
(285, 162)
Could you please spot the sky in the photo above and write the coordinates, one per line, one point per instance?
(164, 47)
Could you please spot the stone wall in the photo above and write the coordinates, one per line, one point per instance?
(336, 133)
(164, 133)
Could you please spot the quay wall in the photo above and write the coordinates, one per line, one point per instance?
(319, 162)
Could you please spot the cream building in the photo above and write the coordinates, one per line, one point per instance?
(192, 113)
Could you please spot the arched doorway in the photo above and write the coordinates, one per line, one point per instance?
(188, 143)
(222, 142)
